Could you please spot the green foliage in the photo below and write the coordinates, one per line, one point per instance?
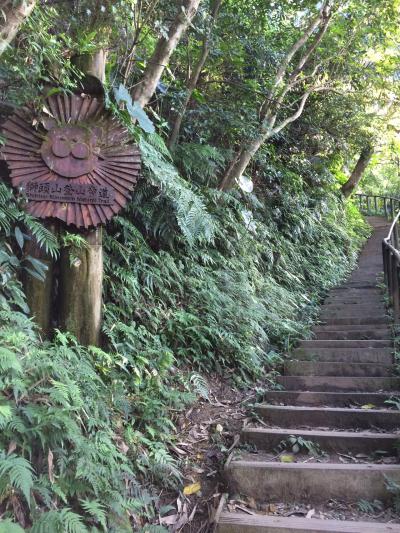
(394, 488)
(196, 281)
(298, 444)
(16, 229)
(37, 62)
(370, 507)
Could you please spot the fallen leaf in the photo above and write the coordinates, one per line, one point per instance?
(169, 520)
(368, 406)
(310, 513)
(191, 489)
(219, 428)
(50, 466)
(251, 502)
(287, 458)
(12, 447)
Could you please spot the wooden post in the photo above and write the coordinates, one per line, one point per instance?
(376, 205)
(81, 284)
(395, 290)
(81, 271)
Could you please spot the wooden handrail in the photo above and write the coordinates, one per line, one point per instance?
(389, 207)
(376, 204)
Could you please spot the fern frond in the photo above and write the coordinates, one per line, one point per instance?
(17, 472)
(96, 510)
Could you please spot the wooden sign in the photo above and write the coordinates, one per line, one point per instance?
(74, 162)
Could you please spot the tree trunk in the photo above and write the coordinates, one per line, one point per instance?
(81, 279)
(164, 49)
(81, 283)
(11, 18)
(194, 78)
(355, 178)
(241, 162)
(283, 83)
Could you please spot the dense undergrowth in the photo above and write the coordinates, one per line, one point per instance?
(196, 281)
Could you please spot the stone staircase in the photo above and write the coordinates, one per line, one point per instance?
(333, 395)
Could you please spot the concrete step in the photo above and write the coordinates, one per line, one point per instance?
(353, 310)
(310, 482)
(352, 291)
(245, 523)
(355, 307)
(356, 334)
(367, 284)
(329, 417)
(353, 327)
(317, 368)
(364, 343)
(329, 441)
(338, 384)
(345, 300)
(351, 355)
(348, 320)
(333, 399)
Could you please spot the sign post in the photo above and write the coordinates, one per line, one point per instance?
(77, 168)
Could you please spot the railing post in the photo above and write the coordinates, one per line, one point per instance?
(391, 209)
(396, 236)
(395, 289)
(368, 207)
(385, 207)
(389, 275)
(385, 263)
(376, 205)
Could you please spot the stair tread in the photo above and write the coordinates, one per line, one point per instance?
(337, 467)
(326, 433)
(299, 396)
(266, 524)
(346, 410)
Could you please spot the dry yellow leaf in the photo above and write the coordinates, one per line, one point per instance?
(368, 406)
(191, 489)
(287, 458)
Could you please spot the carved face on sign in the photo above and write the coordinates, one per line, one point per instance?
(70, 151)
(77, 165)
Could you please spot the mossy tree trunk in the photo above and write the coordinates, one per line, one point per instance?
(163, 51)
(12, 15)
(363, 161)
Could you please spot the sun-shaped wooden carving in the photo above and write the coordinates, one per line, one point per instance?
(74, 163)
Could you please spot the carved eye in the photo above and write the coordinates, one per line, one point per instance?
(80, 151)
(60, 147)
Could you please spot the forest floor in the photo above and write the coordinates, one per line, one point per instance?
(207, 433)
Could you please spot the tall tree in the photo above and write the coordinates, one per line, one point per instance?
(195, 75)
(156, 65)
(355, 177)
(11, 18)
(282, 85)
